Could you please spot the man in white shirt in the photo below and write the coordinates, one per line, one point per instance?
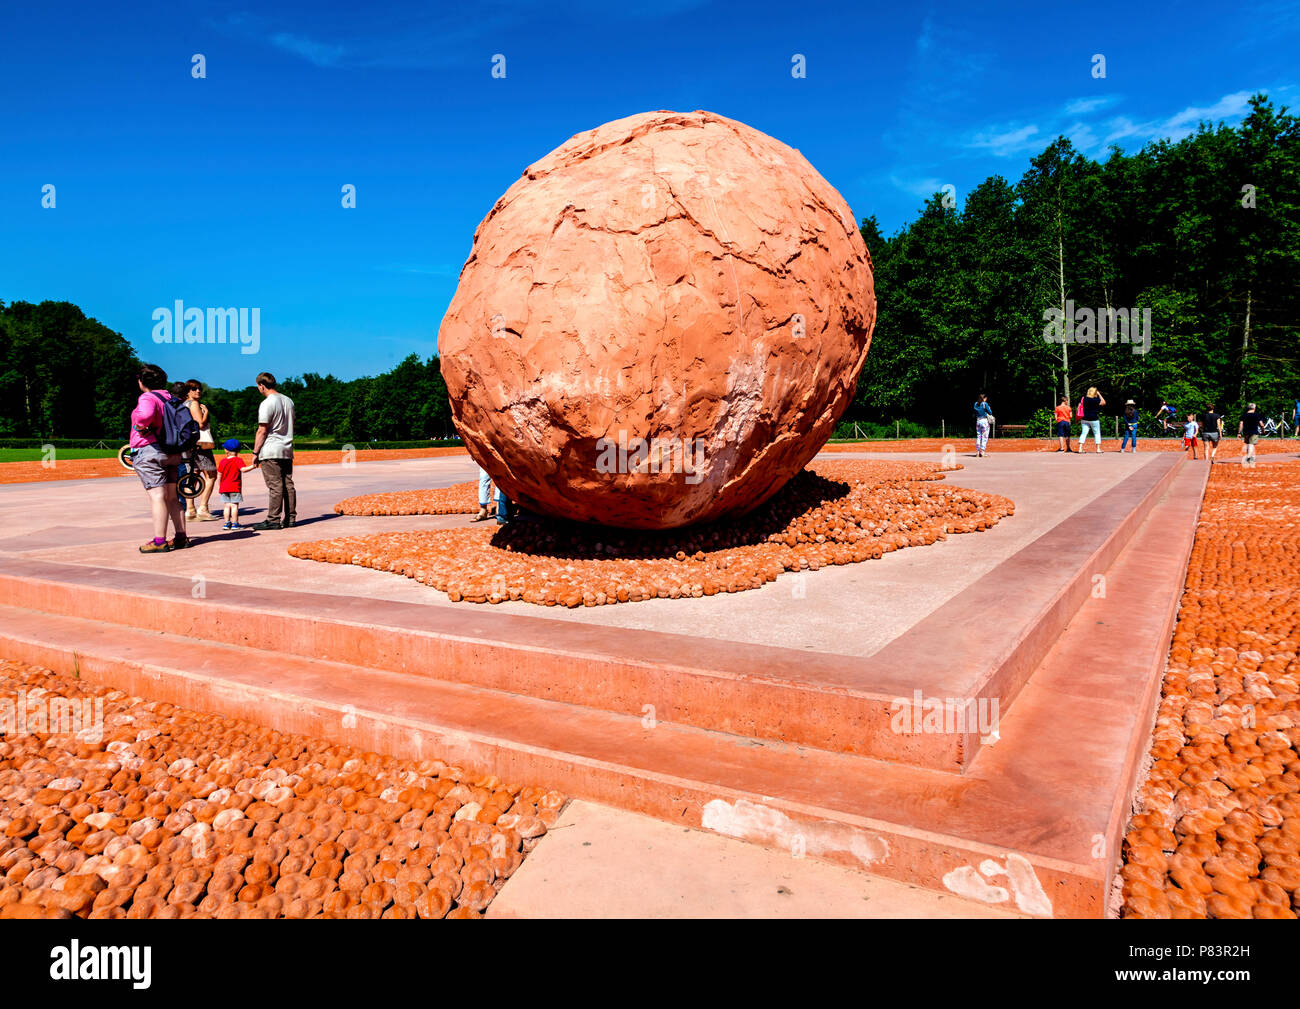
(273, 453)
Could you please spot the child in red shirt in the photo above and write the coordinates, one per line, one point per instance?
(230, 471)
(1063, 415)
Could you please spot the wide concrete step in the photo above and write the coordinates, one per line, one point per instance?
(1033, 826)
(979, 647)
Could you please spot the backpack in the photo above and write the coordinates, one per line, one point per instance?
(180, 431)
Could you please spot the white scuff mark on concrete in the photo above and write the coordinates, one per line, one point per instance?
(1026, 890)
(751, 821)
(966, 882)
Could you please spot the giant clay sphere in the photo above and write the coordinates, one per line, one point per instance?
(659, 323)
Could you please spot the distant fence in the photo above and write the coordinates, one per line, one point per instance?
(896, 429)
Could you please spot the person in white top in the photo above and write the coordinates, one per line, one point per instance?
(273, 454)
(202, 454)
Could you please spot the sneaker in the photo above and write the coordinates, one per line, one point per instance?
(289, 523)
(155, 548)
(228, 525)
(180, 541)
(267, 524)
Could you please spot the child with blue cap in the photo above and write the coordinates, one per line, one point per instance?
(230, 472)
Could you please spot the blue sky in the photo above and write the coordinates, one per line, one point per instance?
(225, 191)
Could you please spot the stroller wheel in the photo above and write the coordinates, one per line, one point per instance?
(190, 486)
(124, 457)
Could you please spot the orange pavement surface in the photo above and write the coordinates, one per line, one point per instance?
(86, 469)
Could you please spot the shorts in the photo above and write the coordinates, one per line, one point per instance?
(154, 467)
(1252, 439)
(232, 497)
(1189, 443)
(1212, 437)
(1062, 429)
(203, 460)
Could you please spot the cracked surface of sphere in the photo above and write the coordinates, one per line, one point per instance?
(658, 324)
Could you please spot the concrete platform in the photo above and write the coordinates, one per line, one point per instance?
(877, 601)
(1036, 565)
(787, 747)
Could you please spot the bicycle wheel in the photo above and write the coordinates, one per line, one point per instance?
(124, 457)
(190, 486)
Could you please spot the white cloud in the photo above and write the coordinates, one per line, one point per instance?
(917, 187)
(1094, 135)
(320, 53)
(1228, 107)
(1082, 106)
(1082, 136)
(1010, 141)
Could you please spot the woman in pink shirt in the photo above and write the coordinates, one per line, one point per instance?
(156, 470)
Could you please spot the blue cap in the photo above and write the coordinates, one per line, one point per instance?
(231, 444)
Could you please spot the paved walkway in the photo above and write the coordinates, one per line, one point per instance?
(599, 862)
(101, 522)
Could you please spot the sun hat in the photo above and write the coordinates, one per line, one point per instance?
(1130, 403)
(231, 444)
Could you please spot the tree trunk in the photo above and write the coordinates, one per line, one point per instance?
(1245, 346)
(1060, 276)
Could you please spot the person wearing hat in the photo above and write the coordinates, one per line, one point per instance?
(1130, 425)
(230, 472)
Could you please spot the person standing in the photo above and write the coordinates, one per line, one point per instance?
(1295, 420)
(503, 507)
(1063, 425)
(983, 423)
(1212, 432)
(273, 454)
(232, 470)
(484, 495)
(1130, 423)
(202, 456)
(1092, 404)
(1190, 428)
(1248, 431)
(157, 470)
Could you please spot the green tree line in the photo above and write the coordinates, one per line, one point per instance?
(1204, 232)
(63, 375)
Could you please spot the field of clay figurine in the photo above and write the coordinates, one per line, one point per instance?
(174, 813)
(835, 512)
